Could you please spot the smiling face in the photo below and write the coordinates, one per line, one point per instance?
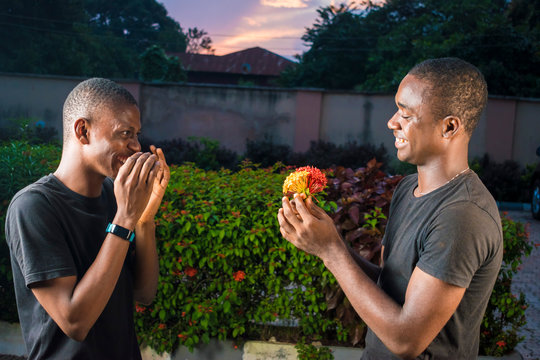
(417, 133)
(113, 137)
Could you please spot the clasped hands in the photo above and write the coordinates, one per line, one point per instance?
(308, 227)
(141, 184)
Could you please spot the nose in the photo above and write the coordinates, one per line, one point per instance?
(134, 144)
(393, 123)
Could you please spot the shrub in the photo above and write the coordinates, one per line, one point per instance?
(20, 165)
(321, 154)
(28, 130)
(507, 181)
(206, 153)
(505, 313)
(225, 270)
(363, 202)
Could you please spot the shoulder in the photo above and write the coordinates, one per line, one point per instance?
(32, 195)
(469, 201)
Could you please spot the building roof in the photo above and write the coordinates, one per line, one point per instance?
(252, 61)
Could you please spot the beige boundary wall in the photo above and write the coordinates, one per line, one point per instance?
(508, 130)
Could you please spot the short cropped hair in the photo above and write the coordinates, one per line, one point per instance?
(457, 88)
(88, 97)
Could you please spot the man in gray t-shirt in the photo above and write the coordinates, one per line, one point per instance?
(77, 264)
(442, 248)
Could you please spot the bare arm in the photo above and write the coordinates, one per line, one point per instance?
(74, 306)
(370, 269)
(429, 302)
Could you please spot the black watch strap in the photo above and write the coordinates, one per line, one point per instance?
(121, 232)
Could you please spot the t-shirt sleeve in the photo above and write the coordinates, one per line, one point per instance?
(36, 239)
(457, 243)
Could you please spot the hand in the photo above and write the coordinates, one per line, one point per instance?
(160, 185)
(308, 227)
(133, 187)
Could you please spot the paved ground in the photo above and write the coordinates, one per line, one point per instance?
(528, 281)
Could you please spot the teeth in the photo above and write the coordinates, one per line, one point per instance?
(399, 140)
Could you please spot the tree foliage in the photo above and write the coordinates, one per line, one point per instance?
(83, 37)
(198, 41)
(157, 66)
(372, 48)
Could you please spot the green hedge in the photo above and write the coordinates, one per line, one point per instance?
(20, 164)
(226, 272)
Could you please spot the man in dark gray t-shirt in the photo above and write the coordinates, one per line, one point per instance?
(442, 248)
(77, 264)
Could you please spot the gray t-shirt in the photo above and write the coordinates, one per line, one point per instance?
(454, 234)
(54, 232)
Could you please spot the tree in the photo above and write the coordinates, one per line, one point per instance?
(197, 41)
(84, 38)
(373, 49)
(157, 66)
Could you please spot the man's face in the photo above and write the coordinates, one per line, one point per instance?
(113, 137)
(416, 131)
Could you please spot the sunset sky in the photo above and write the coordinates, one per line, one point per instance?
(233, 25)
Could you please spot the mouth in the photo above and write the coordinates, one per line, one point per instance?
(401, 141)
(122, 159)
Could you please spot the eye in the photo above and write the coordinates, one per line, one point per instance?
(405, 116)
(126, 133)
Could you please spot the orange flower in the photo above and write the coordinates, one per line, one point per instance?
(239, 275)
(306, 180)
(162, 326)
(191, 272)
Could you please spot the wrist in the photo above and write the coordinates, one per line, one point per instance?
(145, 225)
(336, 255)
(124, 221)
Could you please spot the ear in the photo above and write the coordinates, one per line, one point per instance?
(80, 128)
(451, 125)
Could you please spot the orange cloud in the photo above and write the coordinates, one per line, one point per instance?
(285, 3)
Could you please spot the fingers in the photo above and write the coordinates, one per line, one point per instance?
(125, 169)
(301, 207)
(289, 213)
(284, 226)
(164, 174)
(148, 169)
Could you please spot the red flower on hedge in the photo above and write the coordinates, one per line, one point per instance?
(139, 309)
(501, 343)
(306, 180)
(239, 275)
(191, 272)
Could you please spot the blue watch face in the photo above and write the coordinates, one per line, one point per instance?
(121, 232)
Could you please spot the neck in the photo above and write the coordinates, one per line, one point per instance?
(433, 176)
(74, 174)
